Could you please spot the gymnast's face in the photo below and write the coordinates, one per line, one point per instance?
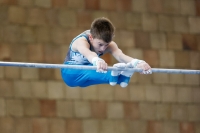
(98, 45)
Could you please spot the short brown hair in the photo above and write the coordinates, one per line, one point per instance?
(102, 28)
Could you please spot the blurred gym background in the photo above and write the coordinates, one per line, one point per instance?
(164, 33)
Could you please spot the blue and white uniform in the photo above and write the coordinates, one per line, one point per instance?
(84, 78)
(81, 78)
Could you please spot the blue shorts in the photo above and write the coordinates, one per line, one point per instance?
(84, 78)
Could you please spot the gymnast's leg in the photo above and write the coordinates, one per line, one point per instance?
(84, 78)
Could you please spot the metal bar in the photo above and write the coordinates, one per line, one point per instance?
(83, 67)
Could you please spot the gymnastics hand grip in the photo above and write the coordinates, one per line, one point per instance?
(96, 61)
(135, 63)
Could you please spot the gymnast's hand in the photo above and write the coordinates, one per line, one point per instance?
(135, 63)
(101, 64)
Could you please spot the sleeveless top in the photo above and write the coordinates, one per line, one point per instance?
(76, 58)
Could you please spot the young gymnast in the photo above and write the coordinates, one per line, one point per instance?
(86, 49)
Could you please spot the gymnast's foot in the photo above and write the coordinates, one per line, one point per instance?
(124, 78)
(115, 74)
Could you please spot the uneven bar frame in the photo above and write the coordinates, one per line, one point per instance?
(83, 67)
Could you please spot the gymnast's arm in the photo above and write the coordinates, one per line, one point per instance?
(132, 62)
(118, 54)
(82, 46)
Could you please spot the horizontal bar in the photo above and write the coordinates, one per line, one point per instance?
(83, 67)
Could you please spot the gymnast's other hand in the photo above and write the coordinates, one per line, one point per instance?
(135, 63)
(146, 68)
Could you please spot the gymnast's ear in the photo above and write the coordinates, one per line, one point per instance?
(90, 37)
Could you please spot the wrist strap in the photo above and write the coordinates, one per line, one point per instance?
(135, 62)
(95, 60)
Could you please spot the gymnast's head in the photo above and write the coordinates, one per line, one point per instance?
(102, 32)
(102, 28)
